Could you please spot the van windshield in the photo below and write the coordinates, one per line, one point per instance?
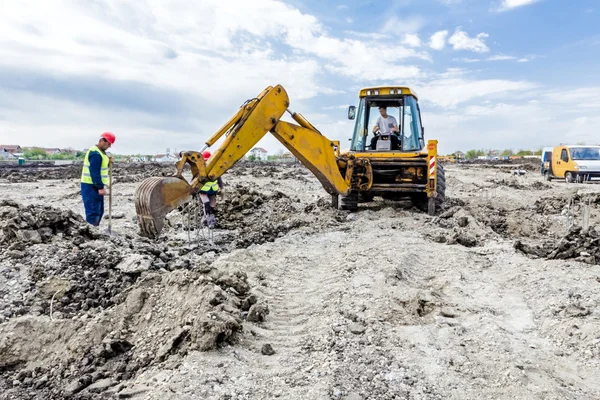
(585, 153)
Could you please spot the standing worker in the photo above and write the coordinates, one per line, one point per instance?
(95, 178)
(208, 194)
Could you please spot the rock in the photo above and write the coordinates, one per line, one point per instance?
(50, 287)
(16, 254)
(74, 387)
(131, 392)
(258, 312)
(357, 329)
(118, 216)
(448, 313)
(448, 214)
(101, 385)
(29, 236)
(267, 350)
(178, 337)
(134, 264)
(462, 221)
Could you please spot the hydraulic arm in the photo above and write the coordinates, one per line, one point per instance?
(156, 197)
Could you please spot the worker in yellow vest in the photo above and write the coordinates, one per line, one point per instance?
(94, 178)
(208, 195)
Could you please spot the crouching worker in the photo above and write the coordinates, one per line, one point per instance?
(208, 195)
(94, 178)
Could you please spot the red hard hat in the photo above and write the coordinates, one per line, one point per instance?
(206, 154)
(109, 137)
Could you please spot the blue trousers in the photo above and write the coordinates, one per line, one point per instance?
(93, 204)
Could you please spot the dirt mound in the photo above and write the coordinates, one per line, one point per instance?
(562, 204)
(54, 260)
(159, 320)
(245, 216)
(577, 244)
(38, 224)
(516, 184)
(122, 172)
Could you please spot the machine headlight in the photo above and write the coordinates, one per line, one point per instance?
(368, 92)
(376, 92)
(392, 91)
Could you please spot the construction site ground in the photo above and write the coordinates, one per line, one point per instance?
(496, 297)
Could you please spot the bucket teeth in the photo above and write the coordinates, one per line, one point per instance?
(155, 198)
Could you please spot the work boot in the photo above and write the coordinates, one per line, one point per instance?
(211, 220)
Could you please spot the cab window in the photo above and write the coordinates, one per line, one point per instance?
(564, 156)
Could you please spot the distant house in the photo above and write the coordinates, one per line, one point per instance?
(288, 157)
(8, 152)
(459, 155)
(165, 158)
(259, 153)
(52, 151)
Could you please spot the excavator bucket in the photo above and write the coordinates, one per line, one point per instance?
(155, 198)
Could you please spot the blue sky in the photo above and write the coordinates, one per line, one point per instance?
(489, 73)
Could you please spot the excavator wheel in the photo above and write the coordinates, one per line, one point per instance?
(433, 204)
(155, 198)
(365, 197)
(350, 201)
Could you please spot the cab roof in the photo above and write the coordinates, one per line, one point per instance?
(387, 91)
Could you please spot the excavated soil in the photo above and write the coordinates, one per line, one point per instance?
(497, 296)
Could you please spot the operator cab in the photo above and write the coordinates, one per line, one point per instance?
(401, 104)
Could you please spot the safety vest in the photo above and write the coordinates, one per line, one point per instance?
(86, 177)
(208, 186)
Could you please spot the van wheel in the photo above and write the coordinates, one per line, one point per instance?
(569, 178)
(547, 176)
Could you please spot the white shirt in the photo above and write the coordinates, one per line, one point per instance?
(386, 124)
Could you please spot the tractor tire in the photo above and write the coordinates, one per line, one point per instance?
(365, 197)
(350, 201)
(423, 203)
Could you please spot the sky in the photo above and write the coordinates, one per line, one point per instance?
(490, 74)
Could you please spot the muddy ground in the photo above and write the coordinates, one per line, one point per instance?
(496, 297)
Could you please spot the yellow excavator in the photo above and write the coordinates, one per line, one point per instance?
(392, 168)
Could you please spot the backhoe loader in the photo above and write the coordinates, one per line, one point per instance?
(392, 169)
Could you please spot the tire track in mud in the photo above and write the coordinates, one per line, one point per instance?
(301, 297)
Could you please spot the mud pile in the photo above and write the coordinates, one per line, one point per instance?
(562, 204)
(117, 304)
(516, 184)
(52, 259)
(123, 172)
(245, 216)
(160, 319)
(578, 244)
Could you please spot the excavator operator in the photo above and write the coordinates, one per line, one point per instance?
(386, 125)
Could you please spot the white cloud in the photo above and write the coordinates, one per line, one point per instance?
(211, 55)
(511, 4)
(467, 60)
(449, 92)
(450, 2)
(412, 40)
(460, 40)
(501, 57)
(168, 75)
(438, 40)
(397, 25)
